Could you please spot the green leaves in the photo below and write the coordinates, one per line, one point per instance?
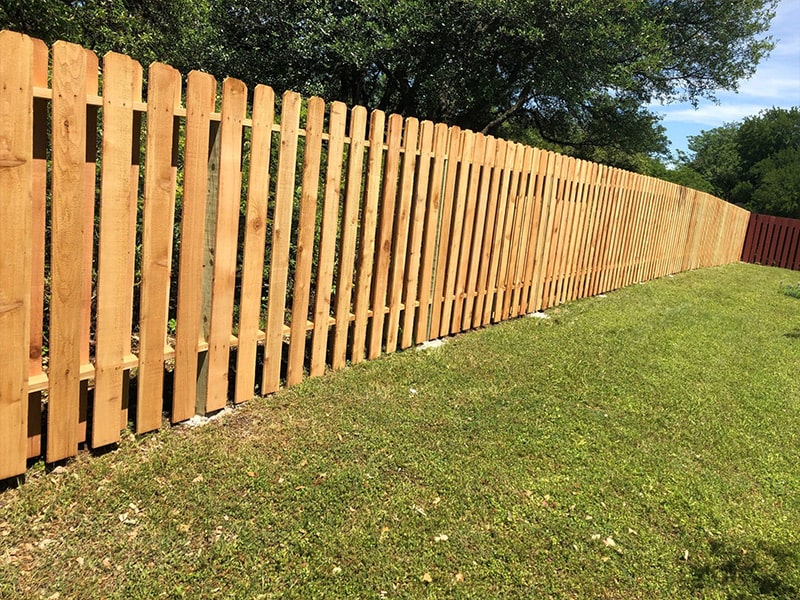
(755, 163)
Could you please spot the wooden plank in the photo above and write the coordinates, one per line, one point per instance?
(255, 231)
(466, 253)
(518, 239)
(209, 256)
(401, 233)
(523, 233)
(579, 240)
(556, 232)
(550, 198)
(568, 192)
(349, 232)
(88, 213)
(41, 109)
(535, 232)
(420, 202)
(66, 304)
(498, 237)
(369, 222)
(281, 234)
(445, 224)
(472, 288)
(383, 247)
(430, 237)
(590, 225)
(163, 96)
(305, 239)
(620, 249)
(234, 107)
(16, 203)
(598, 249)
(615, 226)
(200, 98)
(115, 265)
(330, 225)
(456, 229)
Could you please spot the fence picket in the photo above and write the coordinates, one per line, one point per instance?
(472, 288)
(41, 56)
(448, 197)
(68, 203)
(16, 202)
(200, 95)
(432, 213)
(305, 240)
(330, 224)
(163, 97)
(234, 106)
(401, 231)
(420, 200)
(369, 223)
(466, 252)
(281, 234)
(255, 233)
(115, 268)
(383, 244)
(349, 232)
(456, 226)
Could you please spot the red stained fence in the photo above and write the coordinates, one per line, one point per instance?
(773, 241)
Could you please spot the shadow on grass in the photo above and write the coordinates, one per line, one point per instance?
(794, 334)
(763, 570)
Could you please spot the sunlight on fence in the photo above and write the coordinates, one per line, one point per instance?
(205, 247)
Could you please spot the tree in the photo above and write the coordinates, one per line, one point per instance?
(755, 163)
(576, 74)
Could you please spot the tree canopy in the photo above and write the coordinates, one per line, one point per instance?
(755, 162)
(578, 75)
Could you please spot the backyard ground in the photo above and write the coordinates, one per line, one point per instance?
(641, 445)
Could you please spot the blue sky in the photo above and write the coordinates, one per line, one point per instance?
(775, 83)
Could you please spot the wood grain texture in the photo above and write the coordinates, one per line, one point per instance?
(115, 263)
(369, 223)
(445, 227)
(163, 97)
(234, 107)
(281, 235)
(419, 211)
(200, 96)
(429, 238)
(305, 239)
(68, 202)
(402, 221)
(16, 203)
(349, 231)
(327, 250)
(383, 241)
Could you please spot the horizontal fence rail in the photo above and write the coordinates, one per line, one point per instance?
(772, 241)
(204, 244)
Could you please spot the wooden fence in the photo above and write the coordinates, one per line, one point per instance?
(173, 255)
(773, 241)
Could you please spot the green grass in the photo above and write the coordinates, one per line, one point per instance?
(642, 445)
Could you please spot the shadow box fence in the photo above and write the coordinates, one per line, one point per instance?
(171, 254)
(772, 241)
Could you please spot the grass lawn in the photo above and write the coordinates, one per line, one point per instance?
(642, 445)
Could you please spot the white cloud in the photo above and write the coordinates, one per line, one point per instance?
(775, 83)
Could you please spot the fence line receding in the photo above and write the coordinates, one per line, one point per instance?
(208, 243)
